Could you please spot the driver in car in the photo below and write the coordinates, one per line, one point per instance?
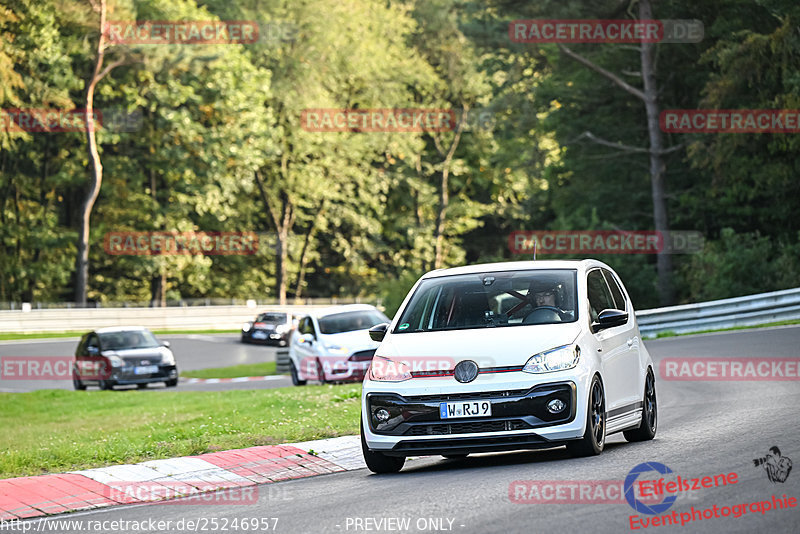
(545, 297)
(546, 294)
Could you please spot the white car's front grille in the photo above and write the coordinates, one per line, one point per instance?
(442, 397)
(467, 428)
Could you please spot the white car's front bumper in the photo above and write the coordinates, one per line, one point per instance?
(517, 422)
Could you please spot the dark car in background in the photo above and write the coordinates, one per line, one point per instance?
(271, 328)
(119, 356)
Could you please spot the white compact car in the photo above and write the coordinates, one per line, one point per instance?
(506, 356)
(333, 344)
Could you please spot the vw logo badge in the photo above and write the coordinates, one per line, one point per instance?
(466, 371)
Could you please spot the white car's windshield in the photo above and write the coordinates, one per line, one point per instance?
(492, 299)
(349, 321)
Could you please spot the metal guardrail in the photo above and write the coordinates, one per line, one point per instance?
(173, 318)
(331, 301)
(717, 314)
(740, 311)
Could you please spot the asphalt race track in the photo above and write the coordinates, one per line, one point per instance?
(192, 351)
(705, 429)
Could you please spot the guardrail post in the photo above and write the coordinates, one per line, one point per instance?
(282, 364)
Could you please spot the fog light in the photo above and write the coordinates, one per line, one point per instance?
(382, 415)
(556, 405)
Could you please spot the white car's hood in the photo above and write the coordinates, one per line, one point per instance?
(355, 341)
(488, 347)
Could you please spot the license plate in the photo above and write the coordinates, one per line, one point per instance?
(454, 410)
(259, 335)
(146, 370)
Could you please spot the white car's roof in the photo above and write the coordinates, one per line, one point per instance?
(341, 309)
(517, 266)
(111, 329)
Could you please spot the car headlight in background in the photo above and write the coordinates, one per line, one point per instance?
(337, 349)
(167, 358)
(115, 360)
(282, 328)
(385, 370)
(246, 327)
(557, 359)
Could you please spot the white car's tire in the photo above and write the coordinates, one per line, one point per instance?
(377, 462)
(649, 423)
(594, 436)
(295, 377)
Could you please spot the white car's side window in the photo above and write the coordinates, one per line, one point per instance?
(599, 296)
(621, 303)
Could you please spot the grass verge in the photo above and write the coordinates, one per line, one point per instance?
(765, 325)
(9, 336)
(234, 371)
(57, 431)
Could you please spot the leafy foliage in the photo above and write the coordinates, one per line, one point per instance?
(220, 146)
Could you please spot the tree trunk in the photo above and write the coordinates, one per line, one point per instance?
(281, 258)
(444, 192)
(301, 275)
(444, 202)
(158, 290)
(82, 260)
(656, 150)
(96, 180)
(283, 225)
(657, 166)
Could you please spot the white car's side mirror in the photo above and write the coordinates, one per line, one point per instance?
(307, 338)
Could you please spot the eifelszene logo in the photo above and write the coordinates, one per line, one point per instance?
(777, 467)
(638, 505)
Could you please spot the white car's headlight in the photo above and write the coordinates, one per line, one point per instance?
(557, 359)
(385, 370)
(337, 349)
(246, 327)
(167, 358)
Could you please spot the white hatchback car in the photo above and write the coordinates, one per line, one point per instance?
(506, 356)
(332, 344)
